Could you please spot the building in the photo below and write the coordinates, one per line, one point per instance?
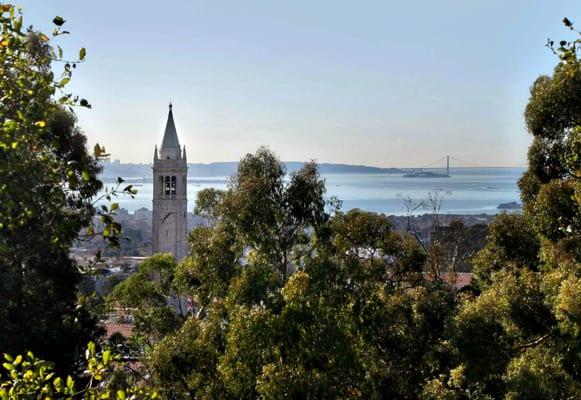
(169, 222)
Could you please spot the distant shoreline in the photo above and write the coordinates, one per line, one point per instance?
(112, 170)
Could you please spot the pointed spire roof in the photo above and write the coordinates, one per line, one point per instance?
(170, 137)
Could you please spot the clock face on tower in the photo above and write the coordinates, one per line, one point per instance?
(165, 217)
(167, 231)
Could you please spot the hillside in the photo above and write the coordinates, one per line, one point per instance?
(129, 170)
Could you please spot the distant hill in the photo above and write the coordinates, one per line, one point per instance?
(326, 168)
(115, 169)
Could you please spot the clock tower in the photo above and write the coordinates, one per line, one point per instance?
(169, 231)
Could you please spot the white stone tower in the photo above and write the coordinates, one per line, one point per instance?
(169, 231)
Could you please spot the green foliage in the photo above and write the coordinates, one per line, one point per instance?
(214, 260)
(47, 180)
(207, 203)
(150, 293)
(519, 339)
(27, 377)
(293, 303)
(539, 373)
(47, 183)
(553, 118)
(459, 244)
(511, 242)
(260, 206)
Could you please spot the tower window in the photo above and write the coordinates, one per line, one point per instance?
(167, 186)
(173, 186)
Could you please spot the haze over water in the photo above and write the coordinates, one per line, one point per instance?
(471, 190)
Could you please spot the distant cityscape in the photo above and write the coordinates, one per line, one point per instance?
(116, 264)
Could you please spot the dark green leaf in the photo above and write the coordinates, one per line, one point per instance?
(58, 21)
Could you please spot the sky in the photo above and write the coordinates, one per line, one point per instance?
(382, 83)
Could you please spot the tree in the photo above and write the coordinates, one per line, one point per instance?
(520, 338)
(207, 203)
(511, 241)
(262, 207)
(27, 377)
(47, 183)
(295, 303)
(150, 296)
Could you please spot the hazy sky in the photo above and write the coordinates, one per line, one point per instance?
(385, 83)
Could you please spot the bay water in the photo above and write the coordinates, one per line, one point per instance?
(466, 191)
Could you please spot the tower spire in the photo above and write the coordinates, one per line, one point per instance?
(170, 146)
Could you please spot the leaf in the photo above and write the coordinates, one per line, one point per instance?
(8, 366)
(40, 124)
(114, 206)
(58, 21)
(86, 176)
(567, 22)
(8, 357)
(82, 53)
(106, 356)
(17, 360)
(64, 81)
(121, 395)
(18, 24)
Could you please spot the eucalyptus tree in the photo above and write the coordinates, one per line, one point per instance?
(293, 302)
(520, 338)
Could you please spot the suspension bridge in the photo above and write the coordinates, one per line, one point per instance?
(440, 168)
